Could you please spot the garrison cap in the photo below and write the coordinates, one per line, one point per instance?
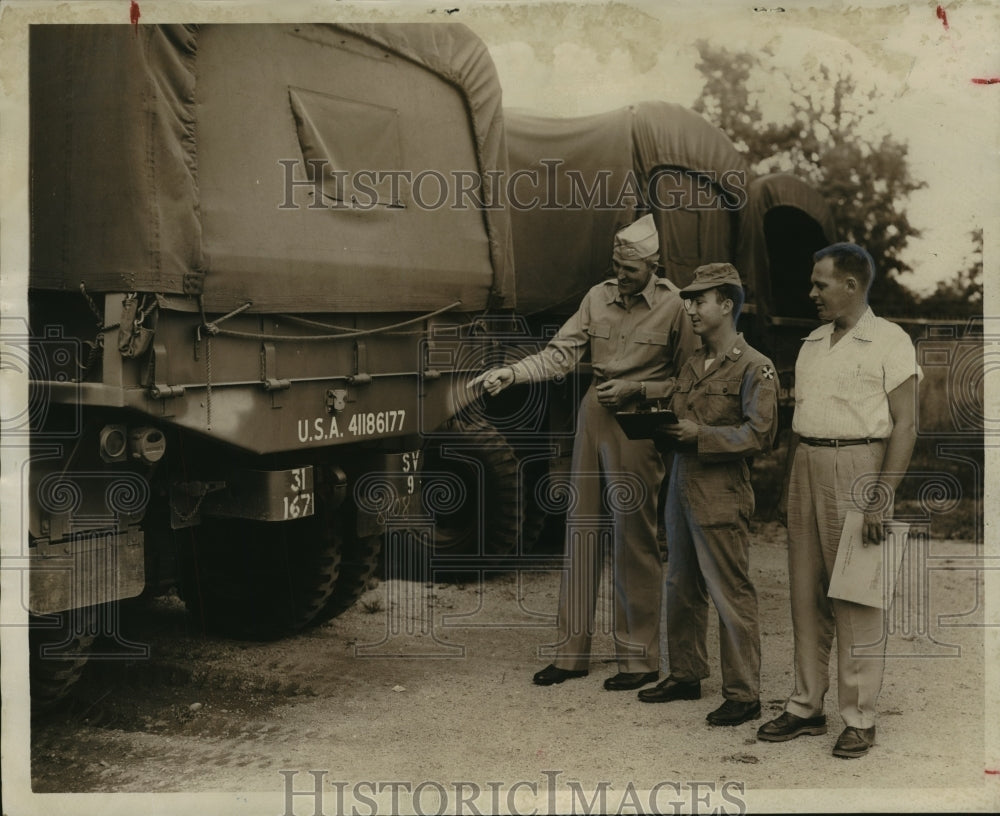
(638, 240)
(709, 276)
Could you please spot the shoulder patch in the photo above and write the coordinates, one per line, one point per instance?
(767, 372)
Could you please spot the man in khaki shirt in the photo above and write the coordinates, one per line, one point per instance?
(637, 336)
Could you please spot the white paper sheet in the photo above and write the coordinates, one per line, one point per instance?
(867, 574)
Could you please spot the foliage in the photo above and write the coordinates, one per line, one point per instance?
(962, 296)
(825, 136)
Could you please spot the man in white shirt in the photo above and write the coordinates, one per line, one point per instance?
(856, 380)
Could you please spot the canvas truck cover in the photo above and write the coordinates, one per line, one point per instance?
(575, 181)
(169, 158)
(784, 222)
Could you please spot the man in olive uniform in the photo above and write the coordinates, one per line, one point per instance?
(725, 400)
(635, 331)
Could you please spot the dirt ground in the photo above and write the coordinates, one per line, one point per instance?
(423, 692)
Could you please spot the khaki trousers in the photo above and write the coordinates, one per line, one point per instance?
(825, 484)
(611, 472)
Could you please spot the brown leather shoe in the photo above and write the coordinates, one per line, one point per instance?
(789, 726)
(550, 675)
(670, 689)
(626, 681)
(854, 742)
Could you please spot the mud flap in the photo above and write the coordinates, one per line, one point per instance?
(94, 569)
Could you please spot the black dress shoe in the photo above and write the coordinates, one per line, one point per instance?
(550, 675)
(670, 689)
(734, 712)
(854, 742)
(789, 726)
(626, 681)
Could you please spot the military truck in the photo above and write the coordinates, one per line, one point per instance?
(245, 292)
(265, 262)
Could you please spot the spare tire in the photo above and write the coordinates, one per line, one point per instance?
(469, 484)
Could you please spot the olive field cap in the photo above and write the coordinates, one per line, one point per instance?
(709, 276)
(638, 240)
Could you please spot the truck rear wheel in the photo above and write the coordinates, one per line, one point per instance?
(259, 580)
(469, 483)
(360, 556)
(58, 657)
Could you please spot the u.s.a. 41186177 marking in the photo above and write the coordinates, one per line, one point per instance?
(365, 423)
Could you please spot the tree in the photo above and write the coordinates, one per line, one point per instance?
(826, 138)
(962, 296)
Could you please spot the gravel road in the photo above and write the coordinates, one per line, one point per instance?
(419, 699)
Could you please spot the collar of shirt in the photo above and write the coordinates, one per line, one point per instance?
(648, 293)
(864, 329)
(739, 348)
(697, 358)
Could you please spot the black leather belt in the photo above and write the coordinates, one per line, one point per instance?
(836, 443)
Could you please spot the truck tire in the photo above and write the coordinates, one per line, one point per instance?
(259, 580)
(360, 557)
(53, 675)
(541, 532)
(460, 457)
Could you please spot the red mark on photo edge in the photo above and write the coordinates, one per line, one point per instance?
(993, 771)
(986, 81)
(942, 15)
(133, 16)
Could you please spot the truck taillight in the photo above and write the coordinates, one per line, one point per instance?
(113, 443)
(147, 444)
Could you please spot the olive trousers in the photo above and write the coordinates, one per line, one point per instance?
(709, 506)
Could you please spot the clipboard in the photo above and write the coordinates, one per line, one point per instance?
(645, 424)
(866, 575)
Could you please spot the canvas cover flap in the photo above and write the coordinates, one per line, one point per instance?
(593, 174)
(113, 185)
(568, 197)
(783, 223)
(173, 159)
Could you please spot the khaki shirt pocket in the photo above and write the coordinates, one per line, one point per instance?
(680, 396)
(655, 338)
(723, 403)
(600, 340)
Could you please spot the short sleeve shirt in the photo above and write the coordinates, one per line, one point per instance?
(842, 391)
